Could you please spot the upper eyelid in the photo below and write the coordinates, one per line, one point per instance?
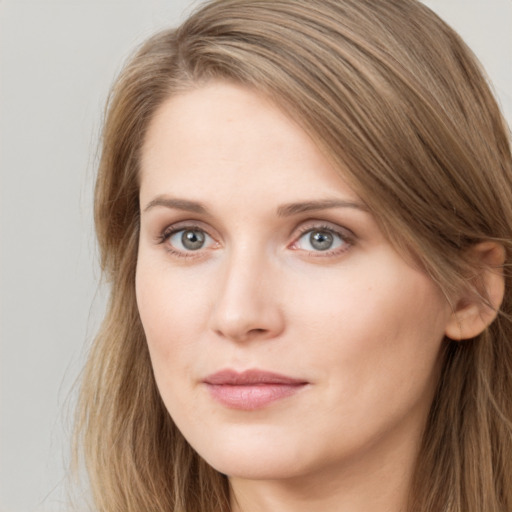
(162, 236)
(187, 224)
(313, 224)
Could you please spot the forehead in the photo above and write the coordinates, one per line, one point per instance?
(227, 137)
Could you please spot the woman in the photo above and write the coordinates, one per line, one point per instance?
(304, 209)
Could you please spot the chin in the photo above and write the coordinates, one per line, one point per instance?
(262, 457)
(251, 467)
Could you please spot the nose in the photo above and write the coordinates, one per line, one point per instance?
(247, 304)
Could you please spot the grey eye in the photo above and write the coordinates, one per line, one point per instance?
(321, 240)
(192, 240)
(188, 239)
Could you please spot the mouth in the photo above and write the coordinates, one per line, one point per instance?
(251, 389)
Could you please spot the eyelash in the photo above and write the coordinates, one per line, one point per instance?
(345, 236)
(168, 232)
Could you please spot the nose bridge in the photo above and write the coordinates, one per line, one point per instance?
(246, 305)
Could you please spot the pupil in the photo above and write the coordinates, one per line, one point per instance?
(192, 240)
(321, 240)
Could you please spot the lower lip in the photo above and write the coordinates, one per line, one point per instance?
(252, 396)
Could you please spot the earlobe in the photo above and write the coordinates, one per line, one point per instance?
(478, 306)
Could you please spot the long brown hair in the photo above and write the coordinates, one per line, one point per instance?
(393, 97)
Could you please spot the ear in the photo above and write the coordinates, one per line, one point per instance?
(478, 305)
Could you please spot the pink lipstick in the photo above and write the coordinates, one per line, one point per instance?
(252, 389)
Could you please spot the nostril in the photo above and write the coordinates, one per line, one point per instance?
(257, 331)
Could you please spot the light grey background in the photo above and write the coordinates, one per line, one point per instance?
(58, 59)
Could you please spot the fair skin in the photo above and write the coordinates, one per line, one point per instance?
(255, 254)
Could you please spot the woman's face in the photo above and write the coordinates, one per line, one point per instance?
(287, 336)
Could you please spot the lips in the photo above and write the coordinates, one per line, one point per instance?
(252, 389)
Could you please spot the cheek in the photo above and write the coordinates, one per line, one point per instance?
(169, 315)
(374, 327)
(171, 302)
(375, 351)
(170, 321)
(379, 301)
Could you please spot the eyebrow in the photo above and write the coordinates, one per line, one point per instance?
(177, 204)
(285, 210)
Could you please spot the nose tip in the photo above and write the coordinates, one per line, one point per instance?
(247, 307)
(243, 328)
(249, 322)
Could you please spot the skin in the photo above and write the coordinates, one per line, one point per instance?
(358, 323)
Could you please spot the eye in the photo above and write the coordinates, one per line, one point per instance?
(321, 240)
(188, 240)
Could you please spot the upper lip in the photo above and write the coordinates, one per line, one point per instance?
(250, 377)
